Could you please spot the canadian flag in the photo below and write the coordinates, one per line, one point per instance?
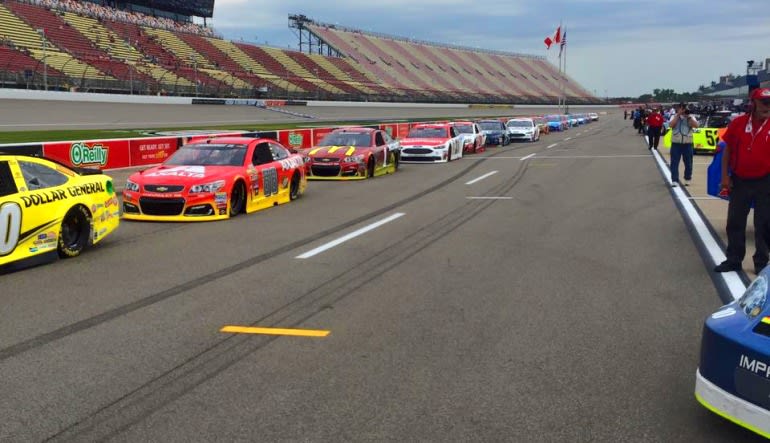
(556, 38)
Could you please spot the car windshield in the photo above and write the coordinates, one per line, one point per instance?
(519, 124)
(464, 129)
(427, 133)
(209, 155)
(490, 126)
(346, 139)
(718, 121)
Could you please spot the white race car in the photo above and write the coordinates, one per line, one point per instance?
(431, 143)
(523, 129)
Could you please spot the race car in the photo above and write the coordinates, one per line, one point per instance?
(704, 140)
(733, 377)
(352, 154)
(494, 132)
(523, 129)
(214, 180)
(431, 143)
(474, 139)
(49, 210)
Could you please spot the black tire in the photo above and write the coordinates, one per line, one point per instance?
(237, 199)
(75, 232)
(294, 187)
(449, 155)
(370, 168)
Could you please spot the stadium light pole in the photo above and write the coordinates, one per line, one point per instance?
(41, 31)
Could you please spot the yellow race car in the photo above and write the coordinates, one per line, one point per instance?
(49, 210)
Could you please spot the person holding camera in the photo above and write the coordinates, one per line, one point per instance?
(682, 125)
(746, 175)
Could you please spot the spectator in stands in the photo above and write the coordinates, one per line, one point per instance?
(654, 128)
(682, 124)
(747, 158)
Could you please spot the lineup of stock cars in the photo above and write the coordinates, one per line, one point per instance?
(49, 210)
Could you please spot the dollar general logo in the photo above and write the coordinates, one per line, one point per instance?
(295, 139)
(82, 154)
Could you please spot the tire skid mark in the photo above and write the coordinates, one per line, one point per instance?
(142, 402)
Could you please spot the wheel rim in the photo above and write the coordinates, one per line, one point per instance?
(294, 191)
(236, 200)
(71, 231)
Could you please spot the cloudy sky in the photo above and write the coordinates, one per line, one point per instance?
(615, 47)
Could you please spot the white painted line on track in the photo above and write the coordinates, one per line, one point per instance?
(489, 198)
(527, 157)
(350, 236)
(478, 179)
(568, 138)
(551, 145)
(731, 279)
(567, 157)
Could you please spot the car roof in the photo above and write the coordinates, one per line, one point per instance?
(462, 122)
(232, 140)
(356, 129)
(431, 125)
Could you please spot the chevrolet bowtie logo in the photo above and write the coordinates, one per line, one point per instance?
(162, 189)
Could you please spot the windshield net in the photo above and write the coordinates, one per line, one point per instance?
(346, 139)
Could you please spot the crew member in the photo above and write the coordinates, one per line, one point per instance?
(747, 158)
(654, 127)
(682, 124)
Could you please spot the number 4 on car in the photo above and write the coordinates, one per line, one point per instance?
(49, 210)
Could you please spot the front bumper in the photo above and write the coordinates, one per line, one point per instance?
(520, 136)
(731, 407)
(205, 207)
(424, 155)
(335, 171)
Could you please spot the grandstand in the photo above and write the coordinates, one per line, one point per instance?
(155, 47)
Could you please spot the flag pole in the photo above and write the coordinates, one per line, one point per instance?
(564, 75)
(560, 73)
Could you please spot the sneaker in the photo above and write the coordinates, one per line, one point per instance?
(687, 182)
(674, 184)
(727, 266)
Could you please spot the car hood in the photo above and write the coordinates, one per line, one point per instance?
(177, 174)
(336, 151)
(423, 141)
(515, 129)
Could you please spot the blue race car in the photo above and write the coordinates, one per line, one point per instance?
(495, 132)
(733, 379)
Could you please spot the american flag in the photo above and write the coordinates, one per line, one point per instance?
(563, 42)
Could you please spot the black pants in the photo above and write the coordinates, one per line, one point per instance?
(745, 192)
(653, 136)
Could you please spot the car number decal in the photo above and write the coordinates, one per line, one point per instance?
(10, 227)
(269, 181)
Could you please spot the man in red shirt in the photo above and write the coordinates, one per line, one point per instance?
(654, 126)
(747, 156)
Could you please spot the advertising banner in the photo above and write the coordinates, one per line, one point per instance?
(95, 154)
(320, 133)
(403, 130)
(296, 138)
(391, 129)
(151, 151)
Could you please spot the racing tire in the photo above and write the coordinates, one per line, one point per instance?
(475, 147)
(75, 232)
(294, 187)
(370, 168)
(237, 199)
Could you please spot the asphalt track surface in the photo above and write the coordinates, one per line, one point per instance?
(24, 115)
(568, 309)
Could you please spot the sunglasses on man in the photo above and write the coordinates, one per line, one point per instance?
(764, 101)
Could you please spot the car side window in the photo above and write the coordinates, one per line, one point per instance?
(39, 176)
(279, 153)
(378, 140)
(7, 183)
(452, 132)
(262, 154)
(387, 137)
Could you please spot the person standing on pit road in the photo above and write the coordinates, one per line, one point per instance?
(654, 128)
(682, 124)
(746, 174)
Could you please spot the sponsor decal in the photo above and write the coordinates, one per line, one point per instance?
(45, 197)
(285, 182)
(111, 202)
(220, 198)
(291, 163)
(82, 154)
(223, 212)
(295, 139)
(180, 171)
(756, 366)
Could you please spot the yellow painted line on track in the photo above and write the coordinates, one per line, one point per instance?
(275, 331)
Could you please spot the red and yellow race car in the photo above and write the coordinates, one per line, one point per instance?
(215, 180)
(352, 154)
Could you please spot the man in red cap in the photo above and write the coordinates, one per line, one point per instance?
(746, 174)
